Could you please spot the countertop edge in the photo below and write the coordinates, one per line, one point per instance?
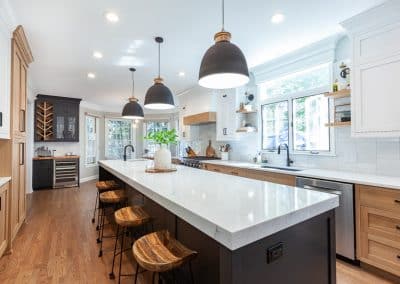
(4, 180)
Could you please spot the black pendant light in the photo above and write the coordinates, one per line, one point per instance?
(223, 65)
(133, 110)
(159, 96)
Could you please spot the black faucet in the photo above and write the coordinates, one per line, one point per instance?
(288, 160)
(126, 147)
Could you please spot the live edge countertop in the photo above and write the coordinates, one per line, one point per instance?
(342, 176)
(234, 211)
(4, 180)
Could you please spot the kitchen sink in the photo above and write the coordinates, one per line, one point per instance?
(281, 168)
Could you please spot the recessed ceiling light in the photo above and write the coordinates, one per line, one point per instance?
(91, 75)
(181, 74)
(97, 54)
(277, 18)
(112, 17)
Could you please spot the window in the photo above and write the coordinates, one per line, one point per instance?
(310, 114)
(119, 132)
(275, 124)
(295, 111)
(151, 126)
(91, 153)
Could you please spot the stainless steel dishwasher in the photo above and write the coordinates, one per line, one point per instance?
(345, 228)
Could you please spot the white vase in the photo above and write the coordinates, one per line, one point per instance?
(162, 158)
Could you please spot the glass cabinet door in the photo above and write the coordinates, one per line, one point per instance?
(60, 126)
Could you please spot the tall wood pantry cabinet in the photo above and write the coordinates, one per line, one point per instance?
(21, 57)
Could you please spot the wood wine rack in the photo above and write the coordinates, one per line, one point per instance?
(44, 121)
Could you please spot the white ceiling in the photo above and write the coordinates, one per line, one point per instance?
(64, 34)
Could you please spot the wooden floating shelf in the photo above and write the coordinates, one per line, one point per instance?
(245, 111)
(338, 124)
(339, 94)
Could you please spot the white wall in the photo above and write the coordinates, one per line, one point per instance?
(369, 155)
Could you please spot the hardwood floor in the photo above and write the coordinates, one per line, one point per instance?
(57, 245)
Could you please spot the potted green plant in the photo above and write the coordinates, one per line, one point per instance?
(162, 157)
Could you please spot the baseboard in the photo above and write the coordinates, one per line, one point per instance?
(88, 178)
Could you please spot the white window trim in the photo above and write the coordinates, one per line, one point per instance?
(133, 138)
(95, 164)
(290, 98)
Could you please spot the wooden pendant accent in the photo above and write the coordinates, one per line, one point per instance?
(44, 121)
(222, 36)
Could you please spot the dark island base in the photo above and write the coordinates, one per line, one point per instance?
(303, 253)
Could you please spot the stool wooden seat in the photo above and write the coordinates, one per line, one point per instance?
(159, 252)
(129, 219)
(131, 216)
(113, 196)
(102, 186)
(106, 185)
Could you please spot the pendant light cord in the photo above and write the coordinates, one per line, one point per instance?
(223, 15)
(159, 60)
(133, 83)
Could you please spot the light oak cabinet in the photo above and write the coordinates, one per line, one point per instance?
(3, 218)
(376, 65)
(253, 174)
(378, 227)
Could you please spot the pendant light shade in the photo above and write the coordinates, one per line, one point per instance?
(159, 96)
(223, 65)
(133, 110)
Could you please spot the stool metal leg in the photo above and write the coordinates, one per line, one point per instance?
(100, 213)
(101, 233)
(191, 272)
(111, 275)
(121, 253)
(137, 272)
(95, 208)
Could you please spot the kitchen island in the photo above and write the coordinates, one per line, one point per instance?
(245, 230)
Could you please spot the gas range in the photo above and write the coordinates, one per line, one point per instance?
(195, 162)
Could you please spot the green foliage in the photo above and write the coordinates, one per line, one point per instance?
(163, 137)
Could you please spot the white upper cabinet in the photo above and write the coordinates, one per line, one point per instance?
(375, 36)
(5, 67)
(226, 115)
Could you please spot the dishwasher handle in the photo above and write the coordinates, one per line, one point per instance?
(322, 189)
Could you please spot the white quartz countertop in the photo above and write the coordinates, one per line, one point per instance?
(342, 176)
(234, 211)
(4, 180)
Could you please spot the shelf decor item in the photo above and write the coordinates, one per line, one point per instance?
(159, 96)
(133, 110)
(223, 65)
(162, 157)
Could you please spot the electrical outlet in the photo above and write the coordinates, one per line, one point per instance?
(274, 252)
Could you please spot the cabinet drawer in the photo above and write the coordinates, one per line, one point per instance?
(382, 224)
(271, 177)
(225, 169)
(384, 256)
(380, 198)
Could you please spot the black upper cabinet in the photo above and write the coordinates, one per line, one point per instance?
(56, 119)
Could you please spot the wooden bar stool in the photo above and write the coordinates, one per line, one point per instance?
(158, 252)
(102, 186)
(127, 218)
(115, 199)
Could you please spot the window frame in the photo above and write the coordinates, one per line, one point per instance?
(145, 124)
(289, 98)
(96, 127)
(106, 133)
(262, 123)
